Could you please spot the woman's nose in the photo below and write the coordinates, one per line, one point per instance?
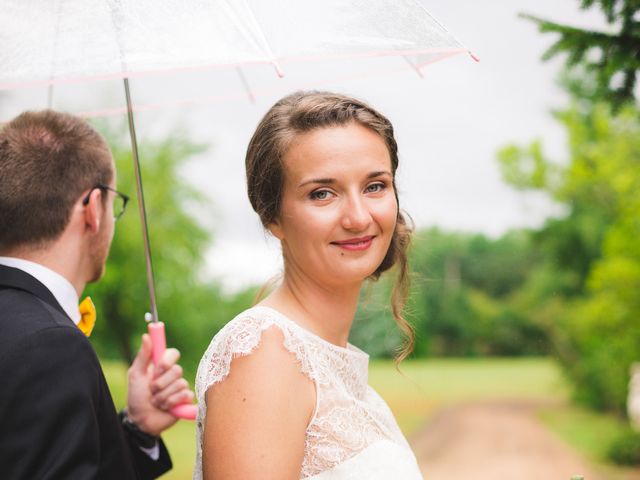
(355, 214)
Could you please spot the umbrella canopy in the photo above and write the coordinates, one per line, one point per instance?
(52, 41)
(48, 42)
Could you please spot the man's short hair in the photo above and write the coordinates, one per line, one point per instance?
(47, 159)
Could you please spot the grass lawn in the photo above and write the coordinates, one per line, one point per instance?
(590, 433)
(180, 439)
(423, 386)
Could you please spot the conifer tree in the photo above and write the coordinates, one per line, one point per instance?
(609, 60)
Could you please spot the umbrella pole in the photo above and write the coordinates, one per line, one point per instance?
(141, 206)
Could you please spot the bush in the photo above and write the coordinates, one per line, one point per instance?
(625, 450)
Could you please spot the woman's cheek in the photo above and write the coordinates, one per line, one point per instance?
(389, 215)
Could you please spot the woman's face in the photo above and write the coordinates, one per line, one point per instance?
(338, 209)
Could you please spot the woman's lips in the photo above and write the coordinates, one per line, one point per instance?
(355, 244)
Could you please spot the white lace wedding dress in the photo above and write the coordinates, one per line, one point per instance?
(352, 435)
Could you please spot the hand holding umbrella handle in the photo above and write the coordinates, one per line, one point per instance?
(158, 346)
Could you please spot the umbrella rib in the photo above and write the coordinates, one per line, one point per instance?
(58, 8)
(261, 38)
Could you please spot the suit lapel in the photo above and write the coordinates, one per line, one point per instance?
(17, 279)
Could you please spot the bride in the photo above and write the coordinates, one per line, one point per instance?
(282, 393)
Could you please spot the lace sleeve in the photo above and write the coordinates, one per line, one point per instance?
(240, 337)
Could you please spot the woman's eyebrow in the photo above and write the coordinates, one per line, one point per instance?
(321, 181)
(329, 181)
(379, 174)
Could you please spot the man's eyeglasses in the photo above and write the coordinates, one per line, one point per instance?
(119, 200)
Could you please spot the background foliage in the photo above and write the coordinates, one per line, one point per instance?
(592, 251)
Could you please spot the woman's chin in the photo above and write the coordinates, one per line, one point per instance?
(351, 276)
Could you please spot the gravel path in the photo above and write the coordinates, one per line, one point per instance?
(495, 441)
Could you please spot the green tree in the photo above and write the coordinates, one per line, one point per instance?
(602, 330)
(586, 287)
(607, 62)
(468, 292)
(463, 300)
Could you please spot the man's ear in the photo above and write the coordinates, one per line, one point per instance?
(276, 230)
(94, 211)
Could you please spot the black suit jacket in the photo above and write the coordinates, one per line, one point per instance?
(57, 417)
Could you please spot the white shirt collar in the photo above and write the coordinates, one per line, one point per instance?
(59, 286)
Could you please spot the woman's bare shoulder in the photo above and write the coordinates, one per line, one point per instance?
(266, 398)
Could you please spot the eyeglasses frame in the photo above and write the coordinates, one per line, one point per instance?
(125, 198)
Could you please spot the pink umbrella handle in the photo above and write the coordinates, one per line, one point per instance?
(186, 411)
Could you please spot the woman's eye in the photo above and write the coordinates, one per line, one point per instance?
(319, 195)
(375, 188)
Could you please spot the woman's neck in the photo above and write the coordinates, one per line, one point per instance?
(327, 312)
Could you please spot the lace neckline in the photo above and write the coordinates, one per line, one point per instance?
(350, 349)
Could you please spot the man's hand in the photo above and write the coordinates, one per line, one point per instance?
(153, 391)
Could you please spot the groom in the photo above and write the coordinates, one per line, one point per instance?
(57, 417)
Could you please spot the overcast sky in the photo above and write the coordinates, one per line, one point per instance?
(449, 125)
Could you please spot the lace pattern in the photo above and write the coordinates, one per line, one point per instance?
(350, 416)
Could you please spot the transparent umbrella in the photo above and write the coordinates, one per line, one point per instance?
(49, 42)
